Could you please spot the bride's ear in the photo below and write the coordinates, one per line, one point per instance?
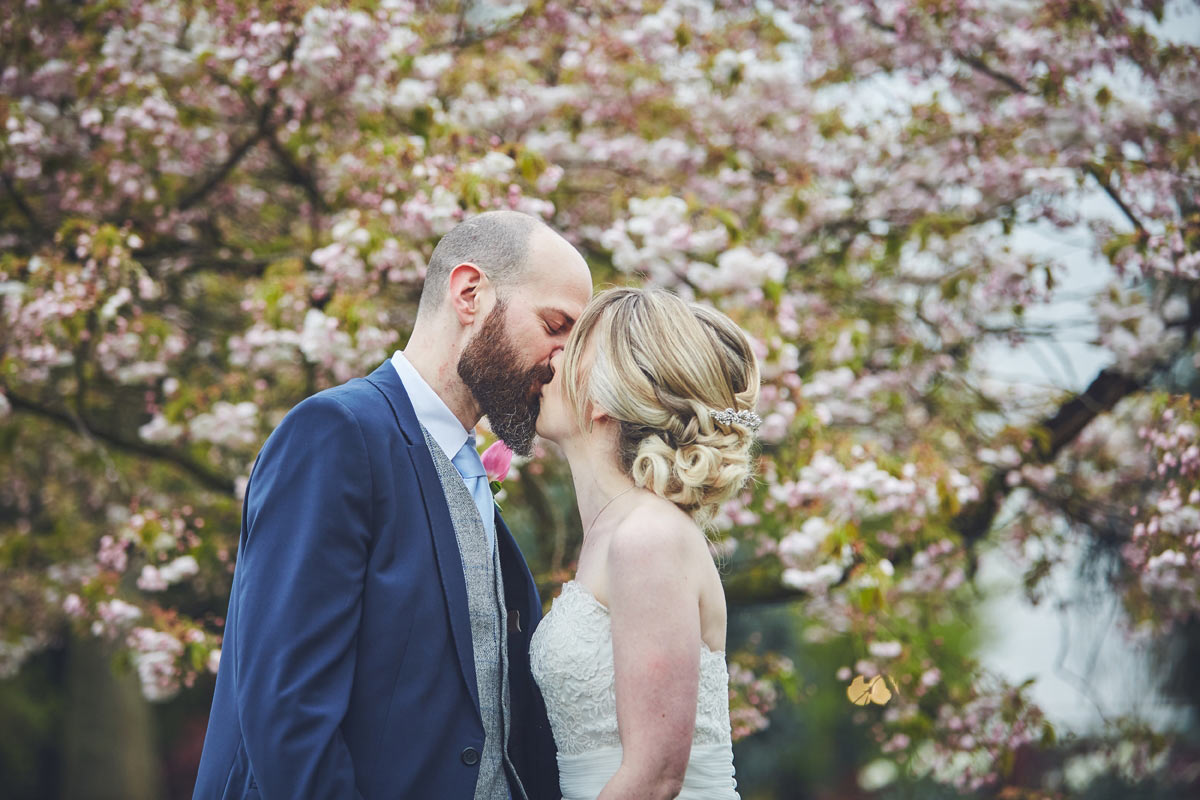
(596, 413)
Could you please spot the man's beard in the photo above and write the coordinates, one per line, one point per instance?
(511, 400)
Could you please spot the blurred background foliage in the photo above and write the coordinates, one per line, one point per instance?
(210, 210)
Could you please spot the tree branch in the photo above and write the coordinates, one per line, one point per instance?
(979, 65)
(1090, 169)
(202, 259)
(208, 477)
(759, 584)
(263, 130)
(214, 180)
(1105, 391)
(297, 174)
(23, 206)
(976, 63)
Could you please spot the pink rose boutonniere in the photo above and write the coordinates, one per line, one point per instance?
(496, 461)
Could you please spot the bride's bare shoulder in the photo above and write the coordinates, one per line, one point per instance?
(654, 532)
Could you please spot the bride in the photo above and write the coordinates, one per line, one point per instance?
(651, 404)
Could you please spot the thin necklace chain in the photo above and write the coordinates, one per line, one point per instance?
(603, 508)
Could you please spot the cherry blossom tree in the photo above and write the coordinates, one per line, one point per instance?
(210, 210)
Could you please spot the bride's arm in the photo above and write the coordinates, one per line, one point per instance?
(654, 605)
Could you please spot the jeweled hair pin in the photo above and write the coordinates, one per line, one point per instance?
(744, 417)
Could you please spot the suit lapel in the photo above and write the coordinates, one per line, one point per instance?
(445, 541)
(520, 590)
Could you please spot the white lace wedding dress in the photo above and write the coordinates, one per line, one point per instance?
(572, 661)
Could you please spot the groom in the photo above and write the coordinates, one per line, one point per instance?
(377, 639)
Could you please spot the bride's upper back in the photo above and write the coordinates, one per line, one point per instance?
(581, 648)
(651, 530)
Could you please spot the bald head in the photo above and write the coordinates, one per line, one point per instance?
(502, 291)
(498, 242)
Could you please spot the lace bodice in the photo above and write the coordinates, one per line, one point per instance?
(572, 661)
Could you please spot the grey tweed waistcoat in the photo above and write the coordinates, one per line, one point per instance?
(489, 636)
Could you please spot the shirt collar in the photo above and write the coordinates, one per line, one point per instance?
(431, 410)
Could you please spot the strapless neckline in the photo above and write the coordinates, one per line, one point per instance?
(587, 594)
(571, 659)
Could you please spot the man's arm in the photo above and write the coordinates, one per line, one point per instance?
(300, 584)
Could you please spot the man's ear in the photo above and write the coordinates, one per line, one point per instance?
(467, 282)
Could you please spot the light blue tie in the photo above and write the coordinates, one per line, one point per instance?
(468, 464)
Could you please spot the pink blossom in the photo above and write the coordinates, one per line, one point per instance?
(851, 188)
(151, 580)
(885, 649)
(73, 605)
(113, 553)
(155, 656)
(496, 460)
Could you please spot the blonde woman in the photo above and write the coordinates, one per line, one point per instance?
(651, 403)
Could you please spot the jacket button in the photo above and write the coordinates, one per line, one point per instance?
(470, 756)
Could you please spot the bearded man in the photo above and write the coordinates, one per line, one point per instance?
(377, 638)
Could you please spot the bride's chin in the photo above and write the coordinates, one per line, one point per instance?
(545, 431)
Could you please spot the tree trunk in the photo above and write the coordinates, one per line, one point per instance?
(109, 751)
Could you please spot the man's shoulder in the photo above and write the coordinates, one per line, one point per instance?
(358, 402)
(355, 394)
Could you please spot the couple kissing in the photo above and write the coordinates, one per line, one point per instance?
(385, 637)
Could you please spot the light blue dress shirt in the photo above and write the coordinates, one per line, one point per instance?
(450, 435)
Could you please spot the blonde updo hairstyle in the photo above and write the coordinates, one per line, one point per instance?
(661, 367)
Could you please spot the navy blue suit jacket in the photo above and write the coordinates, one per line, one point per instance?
(347, 668)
